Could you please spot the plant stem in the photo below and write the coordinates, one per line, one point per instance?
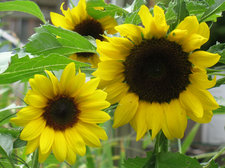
(214, 157)
(35, 163)
(179, 145)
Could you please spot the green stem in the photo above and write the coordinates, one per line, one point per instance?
(35, 163)
(214, 157)
(179, 145)
(71, 2)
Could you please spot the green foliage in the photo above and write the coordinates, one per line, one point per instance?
(213, 10)
(23, 6)
(136, 162)
(220, 49)
(5, 160)
(220, 110)
(133, 17)
(26, 67)
(108, 9)
(189, 138)
(213, 164)
(50, 39)
(89, 158)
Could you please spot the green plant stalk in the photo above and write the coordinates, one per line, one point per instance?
(214, 157)
(35, 163)
(179, 145)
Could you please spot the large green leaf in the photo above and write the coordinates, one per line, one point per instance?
(26, 67)
(23, 6)
(175, 160)
(136, 162)
(50, 39)
(217, 7)
(220, 110)
(5, 160)
(104, 10)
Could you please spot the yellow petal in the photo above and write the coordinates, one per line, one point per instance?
(59, 20)
(89, 87)
(59, 147)
(20, 121)
(71, 156)
(139, 120)
(29, 113)
(42, 157)
(177, 35)
(79, 81)
(116, 91)
(89, 138)
(55, 82)
(153, 118)
(94, 116)
(160, 22)
(203, 30)
(32, 145)
(33, 129)
(97, 130)
(108, 23)
(43, 85)
(37, 101)
(130, 31)
(126, 109)
(108, 51)
(199, 79)
(190, 102)
(46, 139)
(74, 140)
(206, 118)
(206, 98)
(194, 41)
(204, 59)
(190, 23)
(176, 118)
(108, 70)
(67, 77)
(93, 105)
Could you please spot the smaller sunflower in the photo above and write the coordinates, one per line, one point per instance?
(78, 20)
(62, 116)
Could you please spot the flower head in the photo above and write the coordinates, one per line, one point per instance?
(62, 116)
(78, 20)
(158, 78)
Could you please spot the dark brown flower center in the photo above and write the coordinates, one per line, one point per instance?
(61, 113)
(85, 54)
(157, 70)
(90, 27)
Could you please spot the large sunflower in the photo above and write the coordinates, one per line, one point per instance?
(78, 20)
(158, 78)
(61, 116)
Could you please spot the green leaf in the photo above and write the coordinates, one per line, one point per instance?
(135, 6)
(10, 131)
(219, 82)
(6, 142)
(18, 143)
(181, 10)
(26, 67)
(108, 9)
(133, 18)
(196, 7)
(217, 7)
(220, 49)
(170, 14)
(23, 6)
(189, 138)
(213, 164)
(136, 162)
(10, 107)
(175, 160)
(220, 110)
(50, 39)
(4, 154)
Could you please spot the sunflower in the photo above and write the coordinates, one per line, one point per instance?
(78, 20)
(61, 116)
(158, 78)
